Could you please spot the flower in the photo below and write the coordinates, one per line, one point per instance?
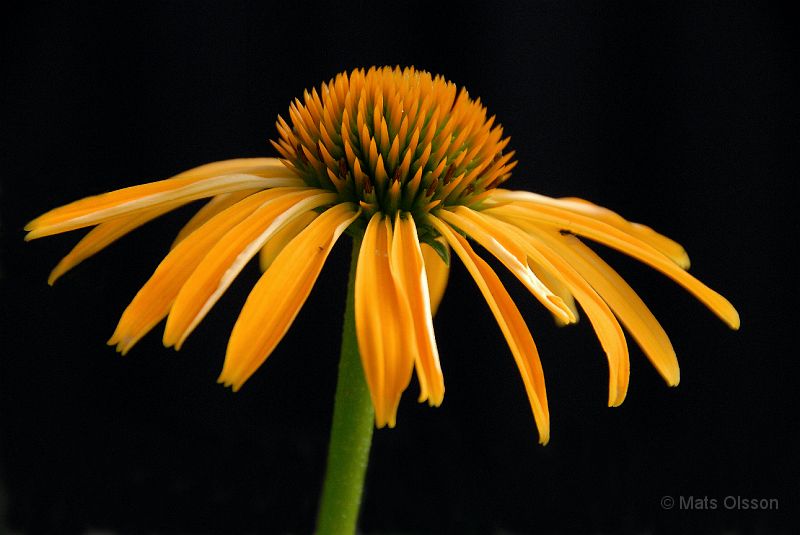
(410, 166)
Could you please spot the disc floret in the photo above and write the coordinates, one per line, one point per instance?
(395, 139)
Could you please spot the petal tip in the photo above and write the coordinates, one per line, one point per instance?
(565, 316)
(734, 322)
(672, 373)
(171, 340)
(226, 380)
(36, 232)
(616, 402)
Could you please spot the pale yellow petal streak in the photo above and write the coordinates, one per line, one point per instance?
(209, 210)
(276, 243)
(665, 245)
(511, 323)
(530, 216)
(93, 210)
(154, 300)
(280, 292)
(230, 254)
(437, 272)
(628, 307)
(408, 270)
(384, 325)
(608, 330)
(102, 236)
(510, 254)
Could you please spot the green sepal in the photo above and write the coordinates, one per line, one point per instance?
(431, 236)
(441, 249)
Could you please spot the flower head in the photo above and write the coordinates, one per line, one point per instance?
(411, 167)
(395, 141)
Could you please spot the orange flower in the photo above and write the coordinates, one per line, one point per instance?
(411, 166)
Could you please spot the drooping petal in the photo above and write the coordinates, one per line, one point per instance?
(408, 269)
(230, 254)
(109, 231)
(154, 300)
(558, 287)
(209, 210)
(511, 323)
(384, 326)
(205, 181)
(437, 272)
(277, 242)
(497, 242)
(605, 325)
(544, 270)
(625, 303)
(530, 216)
(665, 245)
(280, 292)
(102, 236)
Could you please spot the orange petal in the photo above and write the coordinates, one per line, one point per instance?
(538, 263)
(204, 181)
(280, 292)
(437, 272)
(108, 232)
(492, 237)
(558, 287)
(155, 298)
(630, 309)
(408, 270)
(384, 325)
(230, 254)
(608, 330)
(102, 236)
(209, 210)
(511, 323)
(666, 246)
(605, 325)
(281, 239)
(530, 217)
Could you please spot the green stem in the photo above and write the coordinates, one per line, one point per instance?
(351, 431)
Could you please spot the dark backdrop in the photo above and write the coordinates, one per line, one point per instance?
(674, 115)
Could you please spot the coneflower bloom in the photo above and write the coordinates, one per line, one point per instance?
(411, 167)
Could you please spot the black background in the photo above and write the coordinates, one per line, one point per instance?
(680, 116)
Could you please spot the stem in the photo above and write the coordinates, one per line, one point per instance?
(351, 431)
